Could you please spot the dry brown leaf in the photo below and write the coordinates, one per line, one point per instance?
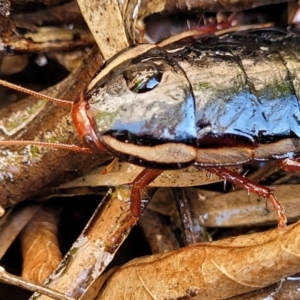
(15, 222)
(217, 270)
(40, 248)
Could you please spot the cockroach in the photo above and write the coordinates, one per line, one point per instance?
(212, 102)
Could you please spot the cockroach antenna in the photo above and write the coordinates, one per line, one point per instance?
(35, 94)
(35, 143)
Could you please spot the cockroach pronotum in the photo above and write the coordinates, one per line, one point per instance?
(213, 103)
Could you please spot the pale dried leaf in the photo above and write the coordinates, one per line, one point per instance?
(48, 34)
(125, 173)
(104, 19)
(236, 208)
(40, 249)
(63, 41)
(239, 209)
(216, 270)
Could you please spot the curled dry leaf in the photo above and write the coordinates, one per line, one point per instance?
(217, 270)
(40, 248)
(13, 223)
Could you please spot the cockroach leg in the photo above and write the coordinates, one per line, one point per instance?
(289, 165)
(141, 181)
(253, 187)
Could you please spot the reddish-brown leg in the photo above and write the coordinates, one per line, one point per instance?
(253, 187)
(141, 181)
(290, 165)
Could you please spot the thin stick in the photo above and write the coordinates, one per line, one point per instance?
(35, 94)
(20, 282)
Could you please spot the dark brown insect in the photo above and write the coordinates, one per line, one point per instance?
(200, 103)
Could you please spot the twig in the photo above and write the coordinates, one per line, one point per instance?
(20, 282)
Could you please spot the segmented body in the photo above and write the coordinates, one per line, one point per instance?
(246, 94)
(215, 102)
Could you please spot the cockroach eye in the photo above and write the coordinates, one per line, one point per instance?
(143, 77)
